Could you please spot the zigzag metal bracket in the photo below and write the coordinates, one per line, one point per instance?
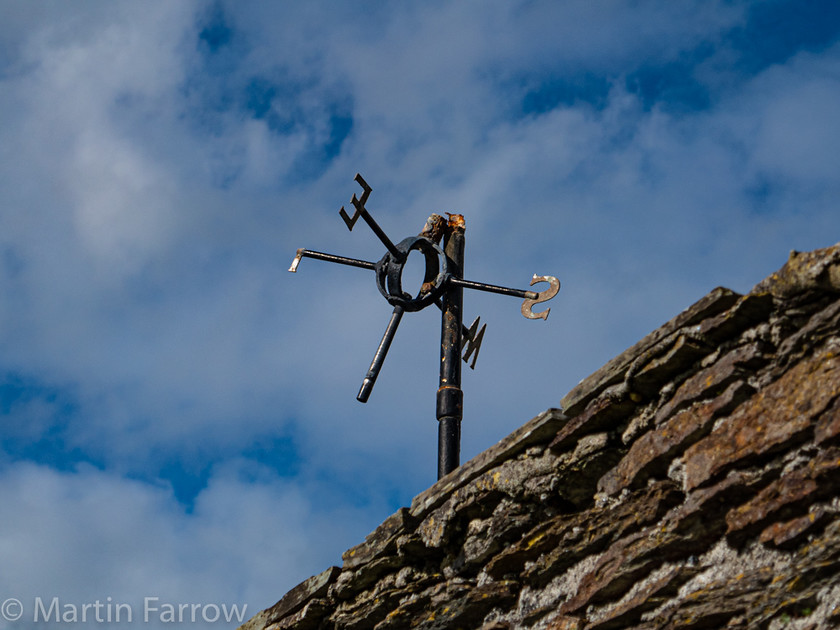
(472, 341)
(361, 211)
(359, 204)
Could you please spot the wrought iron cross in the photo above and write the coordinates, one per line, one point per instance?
(443, 285)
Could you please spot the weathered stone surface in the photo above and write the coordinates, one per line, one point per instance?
(367, 612)
(565, 622)
(293, 601)
(691, 527)
(412, 546)
(602, 413)
(788, 494)
(621, 566)
(613, 372)
(381, 541)
(434, 530)
(828, 426)
(712, 380)
(684, 531)
(536, 431)
(350, 583)
(746, 312)
(763, 589)
(804, 271)
(578, 472)
(479, 497)
(565, 539)
(834, 615)
(413, 595)
(468, 608)
(821, 325)
(653, 452)
(377, 603)
(628, 560)
(307, 618)
(722, 602)
(413, 612)
(780, 414)
(487, 537)
(685, 350)
(649, 594)
(788, 535)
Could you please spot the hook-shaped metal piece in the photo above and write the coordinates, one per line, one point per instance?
(542, 296)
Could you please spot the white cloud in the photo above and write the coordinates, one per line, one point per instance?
(796, 131)
(84, 536)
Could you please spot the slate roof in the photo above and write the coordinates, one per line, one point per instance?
(692, 482)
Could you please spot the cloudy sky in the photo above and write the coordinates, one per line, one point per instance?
(178, 411)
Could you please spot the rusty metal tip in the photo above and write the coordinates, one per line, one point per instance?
(434, 228)
(296, 260)
(456, 220)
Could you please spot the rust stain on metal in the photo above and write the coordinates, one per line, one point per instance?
(434, 228)
(456, 221)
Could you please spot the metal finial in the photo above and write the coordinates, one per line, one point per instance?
(443, 285)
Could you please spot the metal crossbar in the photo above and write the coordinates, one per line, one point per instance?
(441, 243)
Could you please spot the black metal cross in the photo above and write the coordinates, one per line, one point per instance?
(443, 285)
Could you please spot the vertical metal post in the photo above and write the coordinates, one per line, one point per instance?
(450, 398)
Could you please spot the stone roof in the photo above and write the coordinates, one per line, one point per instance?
(692, 482)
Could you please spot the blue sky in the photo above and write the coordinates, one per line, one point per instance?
(178, 411)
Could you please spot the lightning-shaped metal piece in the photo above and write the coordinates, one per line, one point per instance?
(471, 338)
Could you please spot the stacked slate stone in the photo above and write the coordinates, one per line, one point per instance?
(692, 482)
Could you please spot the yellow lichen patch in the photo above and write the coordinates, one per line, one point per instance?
(794, 584)
(535, 540)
